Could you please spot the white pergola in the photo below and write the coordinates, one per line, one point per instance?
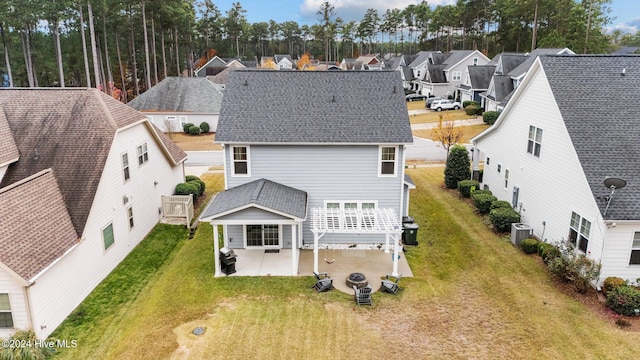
(355, 221)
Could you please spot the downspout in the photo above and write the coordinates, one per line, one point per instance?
(27, 298)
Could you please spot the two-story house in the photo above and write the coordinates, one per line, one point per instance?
(562, 151)
(322, 167)
(81, 180)
(443, 75)
(418, 68)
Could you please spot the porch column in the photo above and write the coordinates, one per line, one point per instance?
(216, 251)
(294, 251)
(315, 252)
(395, 255)
(386, 243)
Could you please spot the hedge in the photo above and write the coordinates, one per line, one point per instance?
(624, 300)
(186, 127)
(471, 109)
(548, 252)
(467, 186)
(490, 117)
(502, 218)
(194, 130)
(501, 204)
(204, 126)
(529, 246)
(483, 201)
(188, 188)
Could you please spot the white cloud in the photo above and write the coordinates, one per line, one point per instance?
(631, 26)
(355, 9)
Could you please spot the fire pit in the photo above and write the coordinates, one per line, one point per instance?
(357, 279)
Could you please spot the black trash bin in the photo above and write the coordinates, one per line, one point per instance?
(410, 234)
(407, 220)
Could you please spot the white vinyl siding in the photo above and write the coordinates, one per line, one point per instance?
(388, 160)
(535, 141)
(183, 120)
(635, 249)
(6, 317)
(241, 161)
(456, 75)
(506, 178)
(130, 217)
(143, 154)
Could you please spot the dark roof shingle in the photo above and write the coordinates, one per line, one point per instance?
(180, 94)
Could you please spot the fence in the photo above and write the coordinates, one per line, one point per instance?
(178, 206)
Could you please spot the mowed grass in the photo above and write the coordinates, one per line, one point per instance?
(202, 142)
(473, 295)
(434, 116)
(468, 132)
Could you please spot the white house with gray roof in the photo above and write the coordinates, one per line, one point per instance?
(324, 167)
(175, 101)
(443, 75)
(559, 137)
(81, 181)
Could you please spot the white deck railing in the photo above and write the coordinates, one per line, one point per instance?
(178, 206)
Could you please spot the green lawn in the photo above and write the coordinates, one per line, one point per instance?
(473, 296)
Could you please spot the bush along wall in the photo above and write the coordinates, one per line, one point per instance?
(465, 187)
(490, 117)
(483, 202)
(502, 218)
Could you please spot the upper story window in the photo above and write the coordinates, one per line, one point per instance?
(635, 249)
(535, 141)
(506, 178)
(6, 319)
(388, 160)
(125, 166)
(475, 61)
(107, 236)
(579, 232)
(456, 76)
(240, 164)
(143, 155)
(130, 217)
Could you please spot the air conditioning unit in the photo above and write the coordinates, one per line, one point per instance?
(520, 232)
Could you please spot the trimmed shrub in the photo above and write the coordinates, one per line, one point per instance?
(502, 218)
(200, 184)
(194, 130)
(458, 166)
(479, 111)
(501, 204)
(204, 126)
(490, 117)
(191, 178)
(624, 300)
(548, 252)
(481, 192)
(469, 102)
(483, 201)
(188, 188)
(186, 127)
(471, 109)
(467, 186)
(529, 246)
(574, 268)
(611, 283)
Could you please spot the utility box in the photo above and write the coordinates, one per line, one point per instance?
(519, 232)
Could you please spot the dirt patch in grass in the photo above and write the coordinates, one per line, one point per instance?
(203, 142)
(467, 132)
(434, 116)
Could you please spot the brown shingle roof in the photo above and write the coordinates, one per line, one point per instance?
(8, 148)
(36, 228)
(70, 131)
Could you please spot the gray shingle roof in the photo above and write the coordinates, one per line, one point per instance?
(503, 86)
(626, 50)
(36, 228)
(602, 122)
(260, 192)
(421, 57)
(8, 147)
(455, 56)
(480, 76)
(436, 74)
(531, 57)
(408, 73)
(180, 94)
(314, 107)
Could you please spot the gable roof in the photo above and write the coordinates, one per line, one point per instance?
(436, 74)
(421, 57)
(215, 61)
(508, 62)
(524, 66)
(480, 76)
(180, 94)
(8, 148)
(604, 129)
(263, 193)
(456, 56)
(363, 107)
(37, 202)
(503, 86)
(71, 131)
(279, 58)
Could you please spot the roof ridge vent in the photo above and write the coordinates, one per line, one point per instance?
(257, 190)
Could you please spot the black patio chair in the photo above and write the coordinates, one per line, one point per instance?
(323, 282)
(363, 295)
(390, 284)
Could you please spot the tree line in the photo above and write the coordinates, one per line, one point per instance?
(130, 45)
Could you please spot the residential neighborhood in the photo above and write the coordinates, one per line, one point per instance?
(183, 181)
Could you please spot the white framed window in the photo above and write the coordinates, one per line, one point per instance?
(130, 217)
(579, 232)
(456, 75)
(388, 156)
(499, 168)
(262, 235)
(488, 160)
(535, 141)
(6, 318)
(506, 178)
(125, 166)
(241, 162)
(143, 155)
(355, 213)
(107, 236)
(635, 249)
(183, 120)
(475, 61)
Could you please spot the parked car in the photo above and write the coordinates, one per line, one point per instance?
(430, 101)
(415, 97)
(444, 104)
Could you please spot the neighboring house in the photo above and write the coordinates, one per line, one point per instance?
(211, 67)
(510, 70)
(220, 79)
(82, 177)
(300, 172)
(277, 62)
(444, 74)
(626, 50)
(175, 101)
(419, 68)
(559, 137)
(401, 63)
(369, 62)
(350, 64)
(476, 81)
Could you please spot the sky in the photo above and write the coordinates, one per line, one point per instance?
(626, 12)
